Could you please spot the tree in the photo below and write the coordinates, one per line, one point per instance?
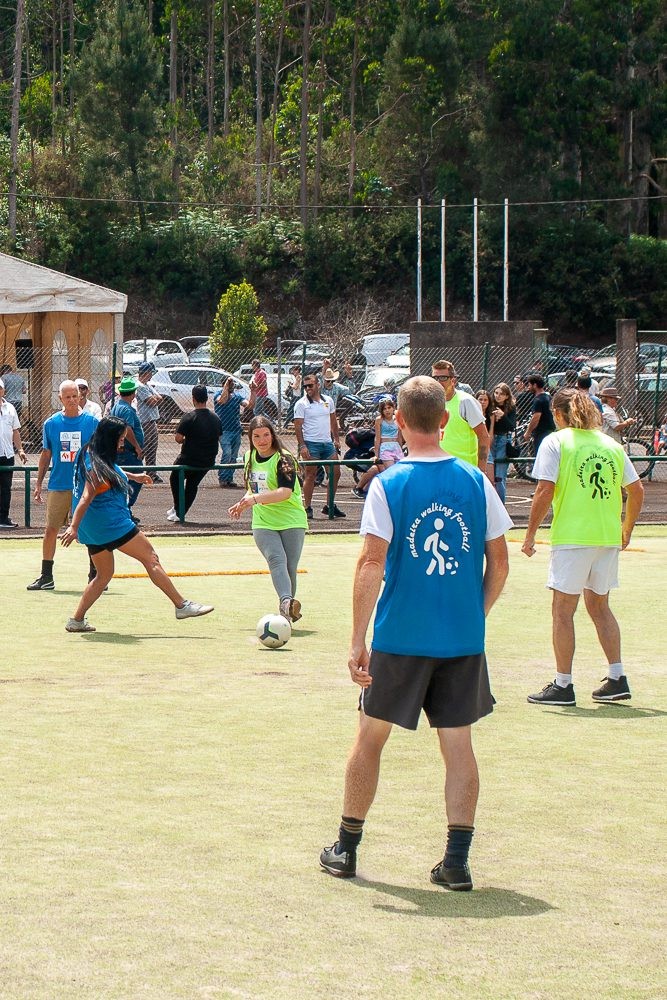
(237, 324)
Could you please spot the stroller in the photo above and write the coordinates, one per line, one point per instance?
(360, 445)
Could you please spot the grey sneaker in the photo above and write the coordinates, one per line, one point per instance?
(74, 625)
(342, 864)
(193, 610)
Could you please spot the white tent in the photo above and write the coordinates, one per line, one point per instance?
(30, 288)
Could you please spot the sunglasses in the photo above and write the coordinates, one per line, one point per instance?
(309, 385)
(443, 378)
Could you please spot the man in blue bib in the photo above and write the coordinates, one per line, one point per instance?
(433, 528)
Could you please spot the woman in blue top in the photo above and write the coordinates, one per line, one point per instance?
(102, 521)
(388, 444)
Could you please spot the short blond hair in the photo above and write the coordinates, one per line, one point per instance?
(421, 401)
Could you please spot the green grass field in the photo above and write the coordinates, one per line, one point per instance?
(167, 787)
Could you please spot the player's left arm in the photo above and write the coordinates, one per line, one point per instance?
(496, 570)
(483, 445)
(367, 583)
(633, 506)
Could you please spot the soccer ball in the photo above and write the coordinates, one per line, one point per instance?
(273, 631)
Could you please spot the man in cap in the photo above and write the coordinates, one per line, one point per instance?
(133, 447)
(148, 401)
(86, 404)
(465, 435)
(10, 441)
(611, 422)
(63, 436)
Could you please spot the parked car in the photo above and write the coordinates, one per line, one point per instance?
(400, 358)
(605, 359)
(556, 380)
(200, 354)
(160, 352)
(376, 377)
(377, 347)
(175, 385)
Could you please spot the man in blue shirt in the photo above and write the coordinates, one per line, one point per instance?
(228, 405)
(63, 435)
(433, 528)
(133, 449)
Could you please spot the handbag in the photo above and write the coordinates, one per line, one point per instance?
(512, 450)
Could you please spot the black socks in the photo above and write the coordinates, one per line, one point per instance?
(459, 839)
(349, 834)
(47, 568)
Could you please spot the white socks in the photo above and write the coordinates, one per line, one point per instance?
(563, 680)
(615, 671)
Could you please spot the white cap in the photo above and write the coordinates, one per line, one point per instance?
(81, 382)
(2, 384)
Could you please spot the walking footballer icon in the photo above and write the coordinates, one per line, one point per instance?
(273, 631)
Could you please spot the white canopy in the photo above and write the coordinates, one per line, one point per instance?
(29, 288)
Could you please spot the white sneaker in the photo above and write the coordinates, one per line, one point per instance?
(193, 610)
(74, 625)
(172, 515)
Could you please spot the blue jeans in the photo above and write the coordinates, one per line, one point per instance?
(230, 442)
(499, 450)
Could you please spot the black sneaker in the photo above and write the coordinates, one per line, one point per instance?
(359, 494)
(613, 690)
(309, 513)
(157, 479)
(8, 523)
(552, 694)
(456, 879)
(337, 512)
(42, 583)
(342, 865)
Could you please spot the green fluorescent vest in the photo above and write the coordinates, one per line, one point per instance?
(275, 516)
(458, 437)
(587, 500)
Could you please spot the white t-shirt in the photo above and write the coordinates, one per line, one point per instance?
(9, 422)
(93, 408)
(470, 410)
(610, 421)
(547, 462)
(316, 417)
(376, 518)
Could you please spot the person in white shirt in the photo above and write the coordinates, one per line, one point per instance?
(87, 405)
(316, 429)
(10, 441)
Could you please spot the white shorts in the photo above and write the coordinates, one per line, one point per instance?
(572, 570)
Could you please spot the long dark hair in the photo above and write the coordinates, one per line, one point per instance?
(102, 451)
(510, 402)
(287, 464)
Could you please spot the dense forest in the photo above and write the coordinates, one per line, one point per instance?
(170, 148)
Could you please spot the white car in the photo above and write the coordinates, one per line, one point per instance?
(175, 384)
(161, 352)
(400, 358)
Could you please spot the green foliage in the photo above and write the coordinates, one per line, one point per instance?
(237, 324)
(644, 269)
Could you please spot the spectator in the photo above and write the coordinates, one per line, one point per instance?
(148, 403)
(570, 378)
(595, 386)
(133, 442)
(611, 422)
(259, 392)
(541, 419)
(332, 387)
(10, 441)
(317, 435)
(63, 435)
(524, 399)
(347, 377)
(293, 392)
(228, 405)
(584, 385)
(15, 387)
(465, 435)
(198, 434)
(87, 405)
(503, 431)
(388, 445)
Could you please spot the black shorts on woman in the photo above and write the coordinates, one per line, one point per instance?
(453, 691)
(118, 543)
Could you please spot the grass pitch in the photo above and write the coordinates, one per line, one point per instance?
(167, 787)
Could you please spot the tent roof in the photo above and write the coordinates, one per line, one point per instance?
(26, 288)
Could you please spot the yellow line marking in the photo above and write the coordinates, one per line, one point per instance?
(212, 572)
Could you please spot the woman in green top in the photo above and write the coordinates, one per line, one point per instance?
(278, 516)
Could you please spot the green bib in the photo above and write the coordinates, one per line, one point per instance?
(458, 437)
(275, 516)
(587, 500)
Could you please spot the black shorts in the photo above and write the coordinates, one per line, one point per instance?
(116, 544)
(453, 692)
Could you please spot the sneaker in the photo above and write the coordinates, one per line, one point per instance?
(193, 610)
(172, 515)
(612, 690)
(290, 609)
(309, 513)
(157, 479)
(8, 524)
(74, 625)
(42, 583)
(456, 879)
(337, 512)
(552, 694)
(342, 864)
(356, 492)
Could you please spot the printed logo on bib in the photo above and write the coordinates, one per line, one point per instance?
(258, 482)
(70, 443)
(439, 537)
(597, 475)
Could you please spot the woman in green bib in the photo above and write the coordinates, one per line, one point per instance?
(278, 516)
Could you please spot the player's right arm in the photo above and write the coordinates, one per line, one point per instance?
(42, 466)
(367, 582)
